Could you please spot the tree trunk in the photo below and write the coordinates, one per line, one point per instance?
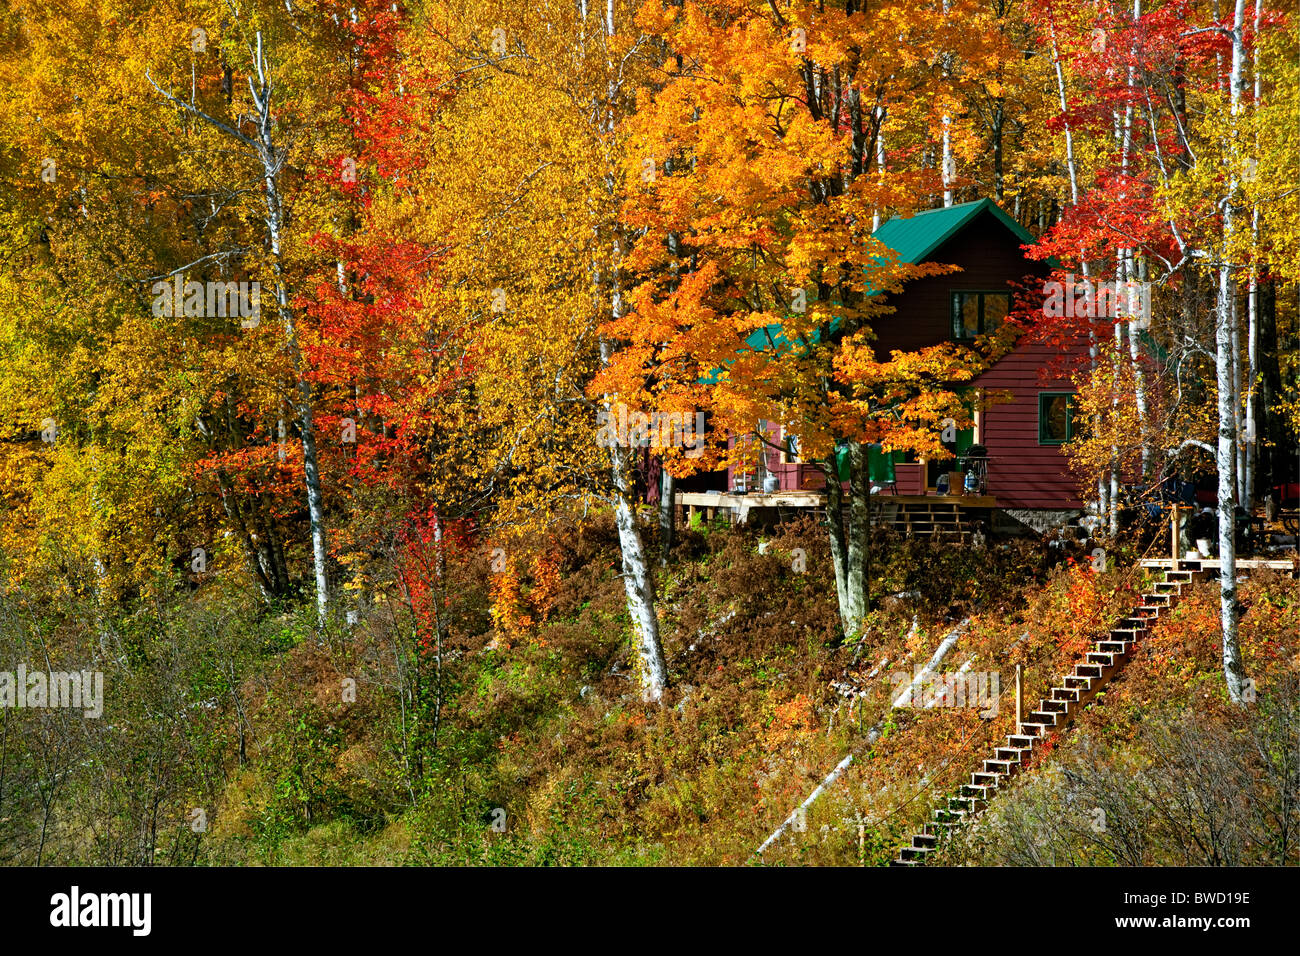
(850, 538)
(439, 623)
(839, 544)
(1113, 520)
(1103, 496)
(1228, 405)
(1270, 430)
(1138, 271)
(948, 164)
(999, 120)
(637, 577)
(1239, 469)
(1250, 441)
(1226, 462)
(273, 161)
(667, 514)
(1127, 272)
(305, 411)
(637, 581)
(272, 164)
(252, 556)
(880, 160)
(859, 536)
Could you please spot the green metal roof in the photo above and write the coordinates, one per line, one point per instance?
(916, 238)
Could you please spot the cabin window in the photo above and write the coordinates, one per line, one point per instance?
(789, 447)
(1055, 418)
(978, 313)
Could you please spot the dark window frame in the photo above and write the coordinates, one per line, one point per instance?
(956, 326)
(1069, 418)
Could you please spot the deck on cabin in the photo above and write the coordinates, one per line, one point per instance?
(1212, 564)
(817, 499)
(946, 517)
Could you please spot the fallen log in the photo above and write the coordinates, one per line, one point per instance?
(801, 811)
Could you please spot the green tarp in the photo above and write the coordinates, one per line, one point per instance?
(880, 466)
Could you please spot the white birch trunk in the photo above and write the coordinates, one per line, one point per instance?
(272, 160)
(1135, 356)
(1239, 468)
(880, 160)
(1249, 440)
(305, 410)
(1228, 405)
(1103, 497)
(904, 699)
(638, 579)
(1113, 523)
(948, 163)
(1130, 274)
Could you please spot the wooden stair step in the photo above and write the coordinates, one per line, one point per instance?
(1053, 713)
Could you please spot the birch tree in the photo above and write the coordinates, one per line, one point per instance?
(522, 199)
(271, 155)
(1225, 353)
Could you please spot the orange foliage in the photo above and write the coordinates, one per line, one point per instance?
(794, 720)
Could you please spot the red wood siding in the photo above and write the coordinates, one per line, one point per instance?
(1022, 472)
(910, 478)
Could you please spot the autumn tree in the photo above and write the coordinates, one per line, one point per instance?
(759, 280)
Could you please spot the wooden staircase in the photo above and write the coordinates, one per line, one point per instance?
(935, 518)
(1097, 666)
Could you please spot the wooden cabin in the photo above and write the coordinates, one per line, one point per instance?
(1025, 468)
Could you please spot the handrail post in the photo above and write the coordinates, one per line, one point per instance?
(1020, 710)
(1173, 535)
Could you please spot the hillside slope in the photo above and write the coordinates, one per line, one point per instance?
(526, 741)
